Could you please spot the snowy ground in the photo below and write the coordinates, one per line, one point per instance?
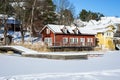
(22, 68)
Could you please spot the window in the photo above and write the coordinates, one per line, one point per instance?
(71, 40)
(47, 31)
(82, 39)
(109, 34)
(65, 40)
(89, 39)
(77, 31)
(76, 40)
(48, 41)
(65, 30)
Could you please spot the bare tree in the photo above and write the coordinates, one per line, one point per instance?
(62, 8)
(5, 19)
(31, 26)
(19, 13)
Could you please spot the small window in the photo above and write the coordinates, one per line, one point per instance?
(65, 30)
(48, 41)
(76, 40)
(65, 40)
(109, 34)
(71, 40)
(47, 31)
(82, 39)
(89, 40)
(77, 31)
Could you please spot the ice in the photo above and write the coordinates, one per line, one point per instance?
(106, 67)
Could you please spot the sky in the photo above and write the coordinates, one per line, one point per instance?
(106, 7)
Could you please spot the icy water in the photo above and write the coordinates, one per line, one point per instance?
(106, 67)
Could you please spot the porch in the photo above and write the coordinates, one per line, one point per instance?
(60, 44)
(71, 47)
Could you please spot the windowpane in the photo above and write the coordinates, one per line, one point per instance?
(48, 41)
(47, 31)
(71, 40)
(82, 39)
(65, 40)
(75, 40)
(89, 40)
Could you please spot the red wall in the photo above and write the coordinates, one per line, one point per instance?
(47, 35)
(59, 37)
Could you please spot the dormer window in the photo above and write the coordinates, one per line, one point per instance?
(65, 30)
(77, 31)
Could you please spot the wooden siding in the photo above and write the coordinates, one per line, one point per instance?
(57, 39)
(45, 35)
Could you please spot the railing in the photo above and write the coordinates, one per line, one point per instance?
(88, 44)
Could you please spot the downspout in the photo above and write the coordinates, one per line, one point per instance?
(54, 39)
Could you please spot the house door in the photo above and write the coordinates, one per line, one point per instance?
(48, 41)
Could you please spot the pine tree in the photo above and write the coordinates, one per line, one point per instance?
(44, 13)
(88, 15)
(83, 15)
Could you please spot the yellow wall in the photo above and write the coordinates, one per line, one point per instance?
(105, 41)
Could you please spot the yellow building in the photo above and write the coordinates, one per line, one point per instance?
(105, 37)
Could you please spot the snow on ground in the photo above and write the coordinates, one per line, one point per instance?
(106, 67)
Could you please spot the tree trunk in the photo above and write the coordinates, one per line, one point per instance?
(33, 7)
(5, 25)
(5, 32)
(22, 34)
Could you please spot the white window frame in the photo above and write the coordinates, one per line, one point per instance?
(109, 34)
(82, 39)
(65, 30)
(76, 40)
(65, 40)
(89, 39)
(77, 31)
(71, 40)
(47, 31)
(48, 41)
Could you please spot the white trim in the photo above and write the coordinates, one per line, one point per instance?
(65, 40)
(48, 41)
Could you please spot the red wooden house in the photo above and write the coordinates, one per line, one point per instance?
(67, 36)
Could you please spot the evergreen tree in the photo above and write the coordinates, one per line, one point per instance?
(6, 8)
(83, 15)
(88, 15)
(44, 13)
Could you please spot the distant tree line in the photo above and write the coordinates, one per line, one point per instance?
(34, 14)
(89, 15)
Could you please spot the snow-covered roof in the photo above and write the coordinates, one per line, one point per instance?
(99, 25)
(91, 27)
(55, 28)
(58, 28)
(70, 29)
